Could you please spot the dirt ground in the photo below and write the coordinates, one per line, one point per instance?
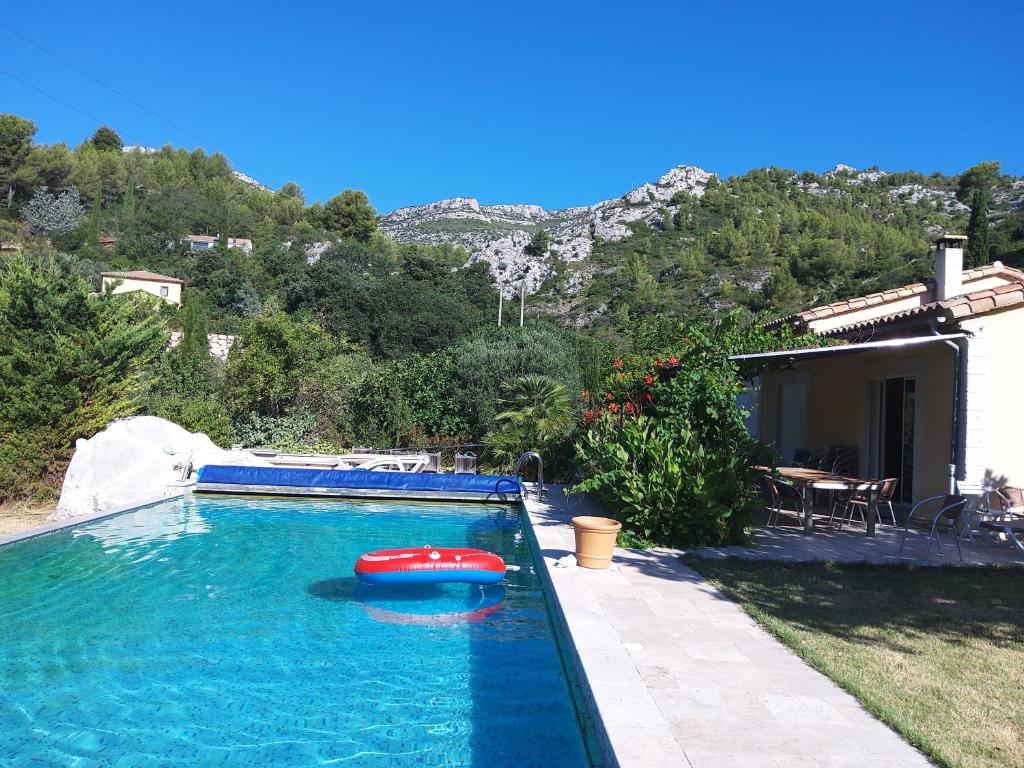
(20, 515)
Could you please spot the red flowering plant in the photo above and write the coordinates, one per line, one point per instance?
(626, 392)
(666, 446)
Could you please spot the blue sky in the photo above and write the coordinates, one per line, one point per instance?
(551, 103)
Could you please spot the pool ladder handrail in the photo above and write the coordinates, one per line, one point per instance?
(540, 471)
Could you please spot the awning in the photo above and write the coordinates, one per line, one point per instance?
(795, 355)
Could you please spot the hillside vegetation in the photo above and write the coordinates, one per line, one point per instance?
(773, 240)
(346, 336)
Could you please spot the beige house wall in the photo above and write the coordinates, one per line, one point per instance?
(839, 395)
(994, 381)
(126, 285)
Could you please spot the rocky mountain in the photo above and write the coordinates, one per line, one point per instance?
(501, 234)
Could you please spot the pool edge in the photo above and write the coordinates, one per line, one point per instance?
(594, 725)
(71, 522)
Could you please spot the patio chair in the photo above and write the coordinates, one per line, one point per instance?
(839, 460)
(844, 461)
(819, 458)
(785, 498)
(1011, 501)
(950, 509)
(860, 500)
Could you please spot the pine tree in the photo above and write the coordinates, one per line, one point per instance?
(977, 229)
(71, 361)
(975, 189)
(191, 362)
(128, 206)
(93, 235)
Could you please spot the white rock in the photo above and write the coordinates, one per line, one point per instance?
(134, 460)
(499, 234)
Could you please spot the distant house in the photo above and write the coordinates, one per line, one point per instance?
(927, 386)
(206, 242)
(108, 240)
(162, 286)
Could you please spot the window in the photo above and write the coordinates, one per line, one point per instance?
(164, 291)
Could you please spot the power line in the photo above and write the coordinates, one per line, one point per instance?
(106, 85)
(49, 95)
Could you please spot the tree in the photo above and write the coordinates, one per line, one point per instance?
(53, 214)
(15, 142)
(539, 243)
(46, 166)
(268, 361)
(185, 393)
(384, 419)
(975, 189)
(291, 189)
(193, 353)
(106, 138)
(350, 215)
(71, 361)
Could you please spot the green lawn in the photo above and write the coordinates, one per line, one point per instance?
(937, 653)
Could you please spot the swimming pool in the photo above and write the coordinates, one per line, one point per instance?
(227, 631)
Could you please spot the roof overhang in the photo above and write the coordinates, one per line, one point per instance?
(813, 353)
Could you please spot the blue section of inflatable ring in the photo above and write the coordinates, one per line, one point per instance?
(440, 576)
(357, 478)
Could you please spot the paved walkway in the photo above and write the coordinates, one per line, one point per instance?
(680, 676)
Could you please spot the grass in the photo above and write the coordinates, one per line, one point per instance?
(18, 516)
(936, 653)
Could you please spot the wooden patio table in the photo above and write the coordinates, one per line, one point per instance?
(810, 480)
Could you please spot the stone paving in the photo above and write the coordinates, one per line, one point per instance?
(851, 545)
(678, 675)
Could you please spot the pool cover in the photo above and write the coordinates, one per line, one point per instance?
(402, 483)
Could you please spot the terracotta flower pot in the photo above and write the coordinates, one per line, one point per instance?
(595, 540)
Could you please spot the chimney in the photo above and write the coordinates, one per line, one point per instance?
(949, 266)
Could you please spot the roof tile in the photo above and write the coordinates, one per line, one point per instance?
(141, 274)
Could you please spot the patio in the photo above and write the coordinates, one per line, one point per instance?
(787, 542)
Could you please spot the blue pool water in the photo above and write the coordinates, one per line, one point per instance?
(215, 631)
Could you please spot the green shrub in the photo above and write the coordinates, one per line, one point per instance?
(667, 448)
(285, 433)
(196, 414)
(659, 478)
(385, 420)
(430, 385)
(268, 362)
(482, 364)
(326, 392)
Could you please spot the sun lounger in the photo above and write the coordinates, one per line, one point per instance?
(1012, 529)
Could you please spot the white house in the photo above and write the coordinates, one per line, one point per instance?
(162, 286)
(205, 242)
(927, 384)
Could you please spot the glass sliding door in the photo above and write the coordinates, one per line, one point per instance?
(893, 412)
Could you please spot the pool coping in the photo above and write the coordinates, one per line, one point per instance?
(70, 522)
(674, 673)
(594, 660)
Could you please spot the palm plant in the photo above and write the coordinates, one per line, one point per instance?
(535, 413)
